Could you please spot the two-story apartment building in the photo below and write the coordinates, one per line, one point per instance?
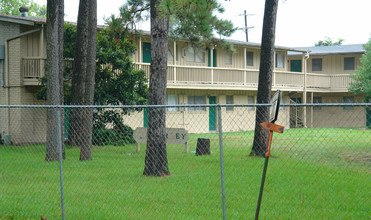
(327, 81)
(22, 61)
(214, 75)
(195, 76)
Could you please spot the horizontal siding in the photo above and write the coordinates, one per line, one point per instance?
(333, 64)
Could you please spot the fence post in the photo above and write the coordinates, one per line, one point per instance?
(59, 130)
(221, 159)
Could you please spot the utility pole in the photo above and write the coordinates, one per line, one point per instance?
(246, 28)
(247, 36)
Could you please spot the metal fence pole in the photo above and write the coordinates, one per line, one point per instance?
(60, 158)
(221, 159)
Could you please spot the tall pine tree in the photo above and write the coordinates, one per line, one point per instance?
(54, 72)
(265, 77)
(191, 19)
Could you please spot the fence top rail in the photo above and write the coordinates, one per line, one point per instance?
(189, 105)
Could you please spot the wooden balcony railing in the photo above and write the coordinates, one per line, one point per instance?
(340, 81)
(34, 68)
(197, 75)
(315, 80)
(288, 79)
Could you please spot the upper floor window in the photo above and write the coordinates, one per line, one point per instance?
(280, 60)
(348, 63)
(229, 100)
(196, 100)
(172, 100)
(249, 58)
(194, 54)
(348, 99)
(228, 57)
(317, 64)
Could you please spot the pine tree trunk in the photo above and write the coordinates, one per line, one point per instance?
(265, 77)
(61, 70)
(156, 163)
(78, 76)
(54, 71)
(85, 153)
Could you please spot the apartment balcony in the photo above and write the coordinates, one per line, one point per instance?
(192, 77)
(33, 68)
(199, 77)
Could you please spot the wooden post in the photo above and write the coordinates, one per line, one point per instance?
(174, 61)
(140, 58)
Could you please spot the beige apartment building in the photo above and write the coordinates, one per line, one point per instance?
(195, 76)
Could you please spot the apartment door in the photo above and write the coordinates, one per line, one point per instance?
(209, 57)
(146, 53)
(145, 118)
(66, 121)
(212, 114)
(295, 65)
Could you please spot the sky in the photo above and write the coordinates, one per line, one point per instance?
(300, 23)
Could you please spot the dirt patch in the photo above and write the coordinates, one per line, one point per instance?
(357, 158)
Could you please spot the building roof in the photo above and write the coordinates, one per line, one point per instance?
(323, 50)
(258, 45)
(241, 43)
(31, 20)
(22, 20)
(331, 50)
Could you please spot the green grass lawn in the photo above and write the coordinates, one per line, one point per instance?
(312, 174)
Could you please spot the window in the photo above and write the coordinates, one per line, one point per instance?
(229, 100)
(348, 99)
(250, 100)
(348, 63)
(249, 58)
(170, 55)
(317, 64)
(282, 102)
(196, 100)
(172, 100)
(280, 60)
(194, 54)
(317, 100)
(228, 58)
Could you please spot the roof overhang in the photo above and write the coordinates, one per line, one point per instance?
(22, 20)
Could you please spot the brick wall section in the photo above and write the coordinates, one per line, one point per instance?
(15, 60)
(8, 30)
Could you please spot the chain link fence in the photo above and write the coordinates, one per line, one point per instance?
(319, 166)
